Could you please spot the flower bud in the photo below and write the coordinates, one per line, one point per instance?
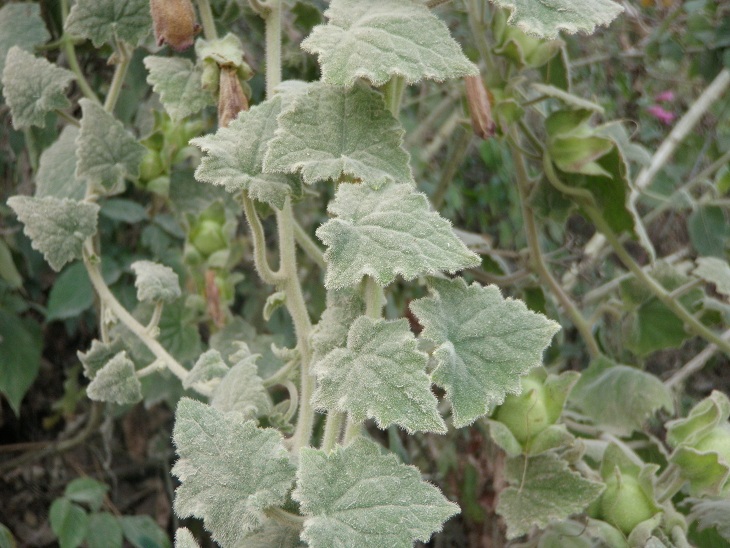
(231, 99)
(174, 23)
(480, 107)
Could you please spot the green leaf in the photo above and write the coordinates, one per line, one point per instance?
(715, 271)
(21, 25)
(545, 18)
(116, 382)
(56, 176)
(241, 390)
(704, 417)
(273, 302)
(230, 471)
(620, 399)
(104, 531)
(125, 211)
(104, 20)
(378, 39)
(343, 306)
(21, 345)
(185, 539)
(356, 496)
(98, 355)
(712, 513)
(7, 540)
(106, 152)
(69, 522)
(155, 282)
(709, 230)
(385, 232)
(8, 271)
(209, 366)
(177, 81)
(234, 156)
(71, 294)
(706, 471)
(143, 532)
(331, 131)
(226, 51)
(380, 375)
(485, 343)
(543, 490)
(57, 228)
(33, 87)
(86, 491)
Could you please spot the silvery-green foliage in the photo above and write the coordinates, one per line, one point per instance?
(210, 365)
(103, 21)
(377, 39)
(485, 343)
(382, 356)
(241, 390)
(33, 87)
(274, 535)
(386, 232)
(224, 51)
(56, 228)
(185, 539)
(56, 175)
(116, 382)
(331, 131)
(106, 152)
(177, 81)
(21, 25)
(716, 271)
(356, 496)
(343, 306)
(230, 470)
(155, 282)
(234, 156)
(98, 355)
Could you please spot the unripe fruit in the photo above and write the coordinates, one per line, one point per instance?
(151, 165)
(624, 503)
(526, 415)
(207, 237)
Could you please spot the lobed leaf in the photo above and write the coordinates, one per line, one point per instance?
(116, 382)
(21, 25)
(378, 39)
(716, 271)
(155, 282)
(385, 232)
(241, 389)
(230, 470)
(33, 87)
(103, 21)
(226, 51)
(485, 343)
(210, 365)
(57, 228)
(178, 83)
(98, 355)
(329, 131)
(380, 375)
(356, 496)
(56, 175)
(343, 307)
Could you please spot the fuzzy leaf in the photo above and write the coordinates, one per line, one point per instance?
(209, 366)
(706, 472)
(356, 496)
(57, 228)
(703, 418)
(485, 343)
(116, 382)
(385, 232)
(543, 492)
(234, 156)
(177, 81)
(21, 25)
(343, 307)
(104, 20)
(33, 87)
(274, 535)
(377, 39)
(715, 271)
(712, 513)
(545, 18)
(241, 389)
(226, 51)
(380, 375)
(331, 131)
(185, 539)
(230, 470)
(56, 174)
(620, 398)
(106, 152)
(155, 282)
(98, 355)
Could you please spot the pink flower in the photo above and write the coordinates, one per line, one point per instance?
(665, 97)
(664, 116)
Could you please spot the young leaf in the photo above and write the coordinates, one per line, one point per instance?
(380, 375)
(385, 232)
(241, 389)
(378, 39)
(343, 306)
(330, 131)
(234, 156)
(21, 25)
(356, 496)
(230, 470)
(485, 343)
(57, 228)
(106, 152)
(545, 18)
(104, 20)
(116, 382)
(69, 521)
(177, 81)
(543, 490)
(33, 87)
(56, 176)
(185, 539)
(98, 355)
(155, 282)
(209, 366)
(715, 271)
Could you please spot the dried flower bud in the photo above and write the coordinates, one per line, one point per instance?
(174, 23)
(480, 107)
(231, 99)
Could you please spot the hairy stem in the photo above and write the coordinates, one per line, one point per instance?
(285, 518)
(260, 261)
(309, 246)
(273, 46)
(206, 19)
(332, 430)
(374, 298)
(73, 62)
(120, 73)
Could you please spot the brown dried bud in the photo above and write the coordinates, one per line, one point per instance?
(480, 107)
(174, 23)
(231, 99)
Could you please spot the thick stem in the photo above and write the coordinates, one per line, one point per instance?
(353, 430)
(273, 46)
(120, 73)
(374, 298)
(206, 19)
(332, 430)
(393, 94)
